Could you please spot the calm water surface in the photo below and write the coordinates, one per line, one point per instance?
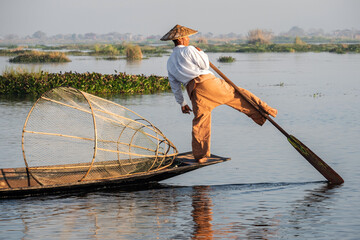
(267, 190)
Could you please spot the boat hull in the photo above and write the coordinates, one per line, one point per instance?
(17, 183)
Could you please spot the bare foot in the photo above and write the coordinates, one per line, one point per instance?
(202, 160)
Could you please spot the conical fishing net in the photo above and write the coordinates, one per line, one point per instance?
(71, 136)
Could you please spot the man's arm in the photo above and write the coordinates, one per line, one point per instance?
(176, 89)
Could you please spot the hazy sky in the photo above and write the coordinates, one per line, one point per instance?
(24, 17)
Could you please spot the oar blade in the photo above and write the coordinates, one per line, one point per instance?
(316, 161)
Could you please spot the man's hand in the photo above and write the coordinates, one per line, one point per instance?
(186, 109)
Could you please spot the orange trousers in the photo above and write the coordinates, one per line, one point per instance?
(207, 92)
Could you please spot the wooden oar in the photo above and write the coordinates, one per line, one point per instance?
(311, 157)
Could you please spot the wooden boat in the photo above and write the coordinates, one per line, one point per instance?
(73, 141)
(18, 183)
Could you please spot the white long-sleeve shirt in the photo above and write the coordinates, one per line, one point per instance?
(185, 63)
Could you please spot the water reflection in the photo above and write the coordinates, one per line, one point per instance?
(251, 218)
(202, 213)
(133, 63)
(316, 205)
(167, 212)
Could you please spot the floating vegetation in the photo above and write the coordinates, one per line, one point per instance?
(316, 95)
(40, 57)
(226, 59)
(283, 47)
(107, 49)
(110, 58)
(18, 83)
(11, 71)
(281, 84)
(336, 48)
(296, 45)
(298, 41)
(154, 51)
(133, 52)
(77, 53)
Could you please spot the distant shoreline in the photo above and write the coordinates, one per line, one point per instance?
(101, 50)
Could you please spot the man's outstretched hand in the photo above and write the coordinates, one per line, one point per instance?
(186, 109)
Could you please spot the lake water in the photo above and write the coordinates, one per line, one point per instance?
(267, 190)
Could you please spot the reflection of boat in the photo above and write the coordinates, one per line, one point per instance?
(17, 182)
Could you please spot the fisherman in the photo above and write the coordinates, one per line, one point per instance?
(189, 66)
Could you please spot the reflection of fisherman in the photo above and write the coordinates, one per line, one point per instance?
(202, 213)
(190, 66)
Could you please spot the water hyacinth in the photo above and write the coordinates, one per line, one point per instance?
(40, 57)
(227, 59)
(15, 83)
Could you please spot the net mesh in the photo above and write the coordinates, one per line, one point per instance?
(71, 136)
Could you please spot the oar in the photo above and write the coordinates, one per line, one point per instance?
(310, 156)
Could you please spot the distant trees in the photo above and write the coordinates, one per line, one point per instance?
(11, 37)
(202, 40)
(296, 31)
(259, 36)
(39, 35)
(91, 36)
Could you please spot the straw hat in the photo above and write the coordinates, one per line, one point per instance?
(178, 32)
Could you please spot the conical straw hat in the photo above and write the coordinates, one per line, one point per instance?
(178, 32)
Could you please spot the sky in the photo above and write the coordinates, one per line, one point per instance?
(156, 17)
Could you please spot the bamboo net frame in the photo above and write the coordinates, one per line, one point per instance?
(71, 136)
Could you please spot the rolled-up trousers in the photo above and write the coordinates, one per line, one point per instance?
(207, 92)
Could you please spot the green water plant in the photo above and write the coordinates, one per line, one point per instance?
(317, 95)
(154, 51)
(107, 49)
(17, 71)
(15, 83)
(40, 57)
(281, 84)
(227, 59)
